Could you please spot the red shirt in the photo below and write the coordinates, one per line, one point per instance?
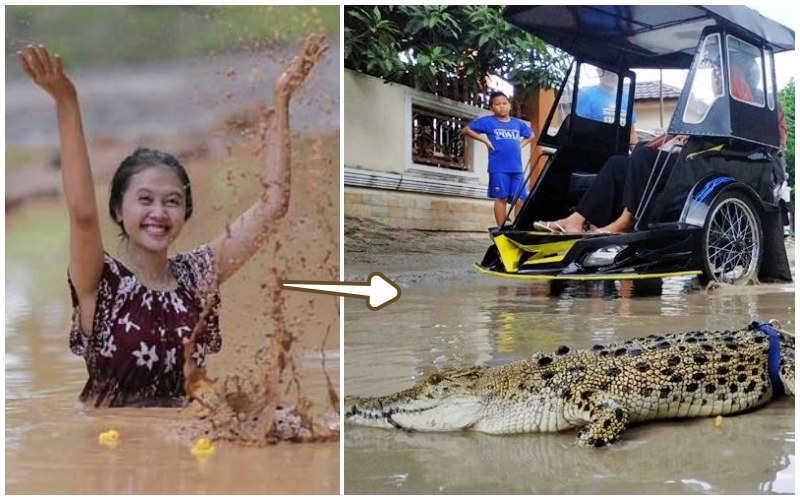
(134, 354)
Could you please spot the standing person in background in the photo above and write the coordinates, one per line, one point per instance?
(505, 136)
(599, 102)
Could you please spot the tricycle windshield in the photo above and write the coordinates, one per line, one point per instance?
(744, 72)
(730, 91)
(707, 85)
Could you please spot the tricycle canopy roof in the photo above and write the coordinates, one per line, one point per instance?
(642, 36)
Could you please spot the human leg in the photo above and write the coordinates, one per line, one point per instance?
(500, 211)
(500, 191)
(602, 203)
(641, 166)
(636, 176)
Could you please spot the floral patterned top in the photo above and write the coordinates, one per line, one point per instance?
(134, 354)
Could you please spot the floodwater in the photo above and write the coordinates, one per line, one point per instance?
(161, 98)
(51, 441)
(490, 321)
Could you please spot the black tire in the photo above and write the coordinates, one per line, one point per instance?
(732, 242)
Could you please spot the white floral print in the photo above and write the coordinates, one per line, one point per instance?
(181, 330)
(126, 320)
(177, 303)
(127, 285)
(143, 353)
(147, 300)
(108, 347)
(170, 361)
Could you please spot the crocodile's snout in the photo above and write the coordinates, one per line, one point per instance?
(442, 401)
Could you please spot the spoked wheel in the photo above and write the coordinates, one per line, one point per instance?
(732, 242)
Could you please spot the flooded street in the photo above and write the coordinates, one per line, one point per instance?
(488, 321)
(52, 440)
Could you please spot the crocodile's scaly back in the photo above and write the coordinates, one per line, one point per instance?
(601, 389)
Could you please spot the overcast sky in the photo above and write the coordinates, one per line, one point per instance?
(784, 62)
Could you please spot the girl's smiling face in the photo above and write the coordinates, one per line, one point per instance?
(154, 208)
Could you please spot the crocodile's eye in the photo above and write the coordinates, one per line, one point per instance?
(434, 379)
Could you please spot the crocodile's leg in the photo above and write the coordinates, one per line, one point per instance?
(607, 419)
(786, 373)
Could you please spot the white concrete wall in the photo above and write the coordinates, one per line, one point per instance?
(374, 133)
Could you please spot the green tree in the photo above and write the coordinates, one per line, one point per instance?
(786, 96)
(437, 42)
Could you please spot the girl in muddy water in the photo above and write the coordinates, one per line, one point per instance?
(134, 314)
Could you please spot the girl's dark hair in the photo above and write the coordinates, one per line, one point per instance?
(141, 159)
(494, 94)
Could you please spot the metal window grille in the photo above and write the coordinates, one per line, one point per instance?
(437, 139)
(459, 90)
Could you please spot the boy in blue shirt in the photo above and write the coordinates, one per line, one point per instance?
(505, 137)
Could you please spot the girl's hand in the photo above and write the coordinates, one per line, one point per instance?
(295, 75)
(47, 74)
(489, 144)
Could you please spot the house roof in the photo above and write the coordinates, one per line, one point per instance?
(649, 90)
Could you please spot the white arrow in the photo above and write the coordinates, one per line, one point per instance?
(379, 290)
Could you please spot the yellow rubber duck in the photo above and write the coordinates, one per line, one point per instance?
(109, 438)
(203, 448)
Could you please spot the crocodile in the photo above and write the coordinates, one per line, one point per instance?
(601, 390)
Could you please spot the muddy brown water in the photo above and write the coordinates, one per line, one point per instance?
(182, 95)
(51, 441)
(490, 321)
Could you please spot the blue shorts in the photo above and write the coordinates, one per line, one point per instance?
(506, 186)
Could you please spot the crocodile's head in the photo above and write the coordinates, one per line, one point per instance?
(786, 369)
(443, 401)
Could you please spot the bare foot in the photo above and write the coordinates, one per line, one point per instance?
(572, 224)
(617, 226)
(623, 224)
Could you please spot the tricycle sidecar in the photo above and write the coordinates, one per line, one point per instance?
(711, 206)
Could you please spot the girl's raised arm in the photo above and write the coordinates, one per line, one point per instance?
(86, 245)
(245, 235)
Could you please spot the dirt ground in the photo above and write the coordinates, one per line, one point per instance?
(411, 256)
